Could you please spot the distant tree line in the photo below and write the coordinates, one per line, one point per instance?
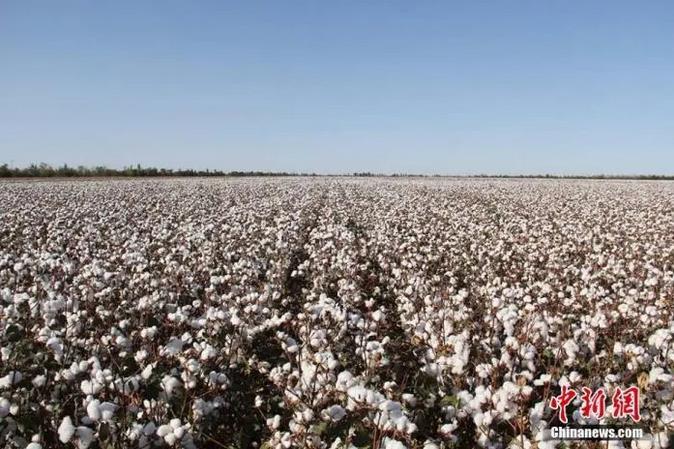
(65, 171)
(43, 170)
(600, 176)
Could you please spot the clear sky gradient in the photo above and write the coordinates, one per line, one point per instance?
(512, 87)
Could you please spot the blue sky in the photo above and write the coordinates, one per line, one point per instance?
(564, 87)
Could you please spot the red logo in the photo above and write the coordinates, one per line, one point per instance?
(594, 403)
(624, 403)
(560, 402)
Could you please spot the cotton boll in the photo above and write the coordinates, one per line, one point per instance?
(344, 381)
(147, 372)
(39, 381)
(179, 433)
(274, 422)
(333, 413)
(543, 379)
(5, 406)
(140, 355)
(173, 347)
(208, 353)
(93, 410)
(164, 430)
(106, 410)
(12, 378)
(170, 385)
(409, 399)
(258, 401)
(170, 438)
(618, 348)
(173, 432)
(389, 443)
(667, 415)
(483, 370)
(175, 423)
(575, 377)
(85, 436)
(447, 430)
(307, 415)
(66, 430)
(642, 444)
(571, 349)
(658, 374)
(90, 387)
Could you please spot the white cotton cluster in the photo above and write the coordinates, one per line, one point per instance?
(83, 435)
(7, 408)
(389, 414)
(173, 432)
(334, 413)
(390, 443)
(12, 378)
(101, 411)
(177, 312)
(171, 385)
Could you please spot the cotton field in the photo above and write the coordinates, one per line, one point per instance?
(330, 312)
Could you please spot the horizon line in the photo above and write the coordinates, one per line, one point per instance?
(45, 170)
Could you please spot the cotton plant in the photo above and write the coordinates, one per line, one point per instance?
(329, 312)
